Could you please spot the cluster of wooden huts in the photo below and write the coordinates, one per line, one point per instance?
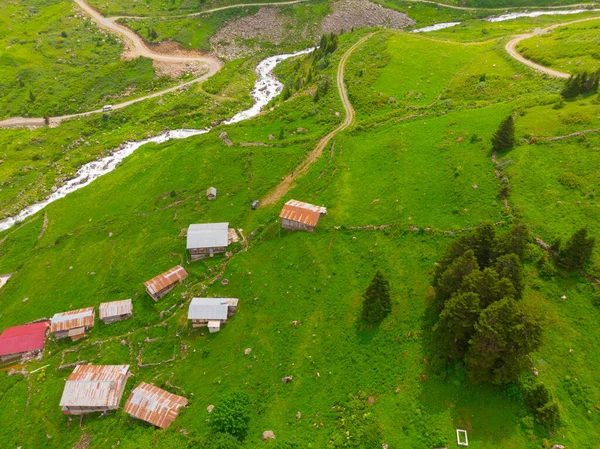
(99, 388)
(28, 341)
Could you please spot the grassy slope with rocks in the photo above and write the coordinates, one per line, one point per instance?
(57, 62)
(411, 173)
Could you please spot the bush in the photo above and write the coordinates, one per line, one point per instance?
(545, 409)
(377, 301)
(576, 252)
(232, 414)
(222, 441)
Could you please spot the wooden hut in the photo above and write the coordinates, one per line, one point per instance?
(94, 388)
(297, 215)
(211, 312)
(23, 342)
(207, 239)
(116, 311)
(164, 283)
(154, 405)
(211, 193)
(74, 323)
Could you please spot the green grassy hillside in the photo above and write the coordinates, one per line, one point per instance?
(413, 173)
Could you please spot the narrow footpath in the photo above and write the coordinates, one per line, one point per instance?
(284, 186)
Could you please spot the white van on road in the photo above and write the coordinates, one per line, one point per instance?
(107, 108)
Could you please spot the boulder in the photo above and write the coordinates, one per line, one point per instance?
(247, 351)
(210, 408)
(268, 435)
(286, 380)
(558, 446)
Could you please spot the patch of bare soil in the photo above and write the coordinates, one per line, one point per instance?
(177, 69)
(352, 14)
(84, 442)
(266, 25)
(172, 48)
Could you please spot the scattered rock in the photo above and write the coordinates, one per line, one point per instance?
(210, 408)
(351, 14)
(558, 446)
(25, 300)
(271, 136)
(475, 186)
(225, 282)
(298, 415)
(110, 234)
(225, 139)
(384, 446)
(247, 351)
(286, 380)
(268, 435)
(371, 400)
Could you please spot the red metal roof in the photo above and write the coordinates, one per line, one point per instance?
(302, 212)
(29, 337)
(166, 279)
(154, 405)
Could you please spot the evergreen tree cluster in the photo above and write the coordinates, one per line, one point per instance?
(304, 75)
(582, 83)
(504, 138)
(377, 300)
(542, 403)
(478, 283)
(576, 252)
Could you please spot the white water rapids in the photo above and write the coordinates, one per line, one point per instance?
(266, 87)
(505, 17)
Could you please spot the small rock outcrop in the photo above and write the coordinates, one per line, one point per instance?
(268, 435)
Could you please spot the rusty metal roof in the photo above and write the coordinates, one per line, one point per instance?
(166, 279)
(95, 386)
(302, 212)
(115, 308)
(73, 319)
(154, 405)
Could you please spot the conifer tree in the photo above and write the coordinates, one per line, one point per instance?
(503, 338)
(377, 301)
(504, 138)
(577, 251)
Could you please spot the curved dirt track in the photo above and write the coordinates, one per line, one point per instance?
(511, 48)
(284, 186)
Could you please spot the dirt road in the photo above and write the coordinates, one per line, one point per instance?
(284, 186)
(511, 48)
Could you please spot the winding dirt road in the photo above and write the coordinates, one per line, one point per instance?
(284, 186)
(511, 48)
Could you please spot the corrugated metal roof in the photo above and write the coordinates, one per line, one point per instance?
(302, 212)
(154, 405)
(95, 386)
(207, 235)
(29, 337)
(210, 308)
(166, 279)
(115, 308)
(73, 319)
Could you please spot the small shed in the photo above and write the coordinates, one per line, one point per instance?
(211, 193)
(23, 342)
(94, 388)
(297, 215)
(74, 323)
(154, 405)
(165, 282)
(211, 312)
(207, 239)
(115, 310)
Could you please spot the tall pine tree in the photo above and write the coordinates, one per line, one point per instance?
(577, 251)
(377, 300)
(504, 138)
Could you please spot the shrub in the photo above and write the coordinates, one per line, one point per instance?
(232, 414)
(576, 252)
(504, 138)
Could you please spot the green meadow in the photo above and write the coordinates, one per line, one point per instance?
(413, 173)
(56, 62)
(572, 49)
